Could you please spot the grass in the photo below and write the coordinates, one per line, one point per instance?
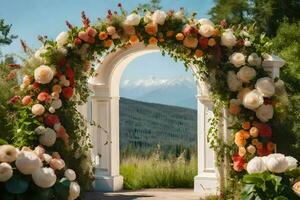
(155, 172)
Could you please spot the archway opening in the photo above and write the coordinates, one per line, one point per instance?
(158, 124)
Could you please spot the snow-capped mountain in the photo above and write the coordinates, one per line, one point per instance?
(177, 91)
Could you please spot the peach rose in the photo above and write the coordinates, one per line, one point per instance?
(179, 36)
(190, 42)
(43, 74)
(251, 149)
(44, 177)
(38, 109)
(39, 151)
(234, 106)
(153, 41)
(70, 175)
(26, 100)
(57, 164)
(151, 28)
(254, 132)
(28, 162)
(6, 172)
(8, 153)
(265, 112)
(129, 30)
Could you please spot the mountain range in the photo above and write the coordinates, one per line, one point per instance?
(178, 91)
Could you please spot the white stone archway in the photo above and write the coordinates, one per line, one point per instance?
(103, 108)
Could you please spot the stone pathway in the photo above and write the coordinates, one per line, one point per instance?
(148, 194)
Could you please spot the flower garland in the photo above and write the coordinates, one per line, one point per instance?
(55, 81)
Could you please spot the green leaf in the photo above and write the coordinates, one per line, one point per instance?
(280, 198)
(17, 185)
(61, 189)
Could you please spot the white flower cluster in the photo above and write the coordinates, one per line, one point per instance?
(276, 163)
(29, 162)
(253, 99)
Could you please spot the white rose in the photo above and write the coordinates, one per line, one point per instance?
(48, 137)
(28, 162)
(62, 39)
(203, 21)
(44, 177)
(147, 17)
(132, 19)
(265, 112)
(43, 74)
(6, 172)
(8, 153)
(38, 56)
(253, 100)
(179, 14)
(276, 163)
(233, 82)
(254, 60)
(159, 17)
(74, 191)
(237, 59)
(256, 165)
(56, 104)
(292, 162)
(251, 149)
(206, 30)
(38, 109)
(70, 174)
(246, 74)
(228, 39)
(265, 86)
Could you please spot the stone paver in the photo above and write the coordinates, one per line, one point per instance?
(148, 194)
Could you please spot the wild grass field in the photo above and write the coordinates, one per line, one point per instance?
(155, 172)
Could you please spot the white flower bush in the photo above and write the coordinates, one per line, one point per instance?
(233, 83)
(8, 153)
(237, 59)
(28, 162)
(43, 74)
(265, 86)
(246, 74)
(265, 112)
(228, 38)
(254, 60)
(253, 99)
(256, 165)
(276, 163)
(132, 20)
(6, 172)
(159, 17)
(44, 177)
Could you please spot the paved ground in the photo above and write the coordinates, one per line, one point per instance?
(149, 194)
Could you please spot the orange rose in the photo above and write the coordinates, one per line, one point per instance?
(151, 28)
(246, 125)
(216, 32)
(153, 41)
(108, 43)
(103, 35)
(254, 142)
(56, 88)
(199, 53)
(212, 42)
(242, 151)
(179, 36)
(133, 39)
(240, 141)
(170, 33)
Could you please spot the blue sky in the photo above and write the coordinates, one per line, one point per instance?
(31, 18)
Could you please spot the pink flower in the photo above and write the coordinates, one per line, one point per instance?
(26, 100)
(44, 96)
(51, 120)
(14, 100)
(57, 164)
(91, 31)
(39, 151)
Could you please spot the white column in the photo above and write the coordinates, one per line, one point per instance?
(105, 112)
(206, 182)
(272, 64)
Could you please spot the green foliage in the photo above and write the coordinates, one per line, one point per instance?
(151, 6)
(267, 14)
(287, 45)
(5, 37)
(154, 172)
(267, 186)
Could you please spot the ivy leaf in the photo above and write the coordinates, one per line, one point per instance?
(17, 185)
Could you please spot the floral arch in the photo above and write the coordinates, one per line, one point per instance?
(53, 156)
